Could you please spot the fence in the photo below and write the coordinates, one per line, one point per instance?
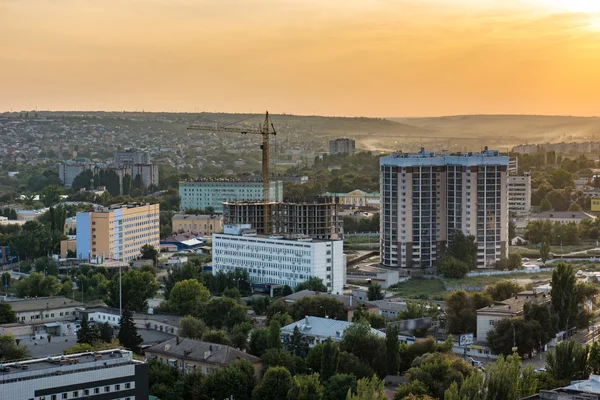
(520, 271)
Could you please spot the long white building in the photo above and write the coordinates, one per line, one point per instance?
(280, 261)
(109, 374)
(426, 196)
(214, 192)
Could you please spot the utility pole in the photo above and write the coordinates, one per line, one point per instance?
(120, 295)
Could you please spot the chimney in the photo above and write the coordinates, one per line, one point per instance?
(177, 340)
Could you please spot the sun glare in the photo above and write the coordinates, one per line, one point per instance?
(579, 6)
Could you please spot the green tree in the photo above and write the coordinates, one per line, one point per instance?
(275, 385)
(7, 315)
(219, 337)
(461, 310)
(232, 293)
(239, 335)
(515, 261)
(472, 387)
(569, 361)
(259, 342)
(106, 332)
(564, 303)
(278, 358)
(368, 389)
(9, 351)
(306, 387)
(504, 379)
(560, 179)
(545, 205)
(274, 335)
(87, 334)
(317, 306)
(149, 253)
(236, 380)
(51, 195)
(463, 248)
(452, 268)
(329, 359)
(544, 252)
(191, 327)
(313, 283)
(296, 343)
(594, 358)
(137, 287)
(128, 334)
(224, 312)
(358, 339)
(574, 207)
(503, 290)
(187, 296)
(338, 386)
(392, 350)
(286, 291)
(510, 331)
(374, 292)
(452, 392)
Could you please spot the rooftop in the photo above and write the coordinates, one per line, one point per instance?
(514, 305)
(206, 352)
(42, 303)
(64, 364)
(196, 216)
(562, 215)
(170, 319)
(323, 327)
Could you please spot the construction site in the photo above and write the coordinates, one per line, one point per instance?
(319, 220)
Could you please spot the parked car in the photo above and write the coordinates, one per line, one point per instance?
(475, 363)
(540, 370)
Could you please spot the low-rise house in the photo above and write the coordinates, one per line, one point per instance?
(317, 330)
(193, 355)
(563, 217)
(487, 317)
(204, 225)
(588, 389)
(183, 241)
(45, 309)
(166, 323)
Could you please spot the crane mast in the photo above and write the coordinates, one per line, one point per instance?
(267, 128)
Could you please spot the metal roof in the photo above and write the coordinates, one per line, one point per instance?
(323, 327)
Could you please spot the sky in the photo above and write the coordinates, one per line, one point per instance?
(381, 58)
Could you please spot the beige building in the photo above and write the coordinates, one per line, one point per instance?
(193, 355)
(203, 224)
(519, 195)
(355, 198)
(563, 217)
(118, 232)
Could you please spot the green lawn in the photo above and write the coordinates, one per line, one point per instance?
(488, 280)
(420, 288)
(533, 251)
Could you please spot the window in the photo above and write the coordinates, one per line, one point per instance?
(128, 386)
(86, 392)
(492, 323)
(75, 394)
(64, 395)
(96, 390)
(117, 387)
(53, 397)
(106, 389)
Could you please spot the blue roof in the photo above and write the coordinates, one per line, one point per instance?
(591, 385)
(323, 327)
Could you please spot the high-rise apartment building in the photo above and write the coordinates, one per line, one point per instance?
(426, 196)
(519, 195)
(68, 170)
(130, 157)
(279, 259)
(342, 146)
(107, 374)
(213, 193)
(118, 232)
(318, 220)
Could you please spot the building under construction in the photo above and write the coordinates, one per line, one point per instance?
(319, 220)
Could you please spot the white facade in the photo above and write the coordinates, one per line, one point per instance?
(342, 146)
(279, 261)
(204, 194)
(519, 195)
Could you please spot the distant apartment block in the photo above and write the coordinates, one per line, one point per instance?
(118, 232)
(69, 170)
(342, 146)
(355, 198)
(519, 195)
(108, 374)
(278, 260)
(319, 220)
(130, 157)
(213, 192)
(426, 196)
(202, 224)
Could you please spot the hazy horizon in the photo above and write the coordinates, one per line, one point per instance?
(388, 59)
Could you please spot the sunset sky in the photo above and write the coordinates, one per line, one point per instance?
(399, 58)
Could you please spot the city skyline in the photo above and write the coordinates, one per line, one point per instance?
(353, 58)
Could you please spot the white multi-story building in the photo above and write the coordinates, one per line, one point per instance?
(519, 195)
(279, 261)
(213, 192)
(130, 157)
(109, 374)
(342, 146)
(426, 196)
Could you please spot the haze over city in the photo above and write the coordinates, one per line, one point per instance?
(349, 58)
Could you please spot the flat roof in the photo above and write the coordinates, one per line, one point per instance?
(514, 305)
(42, 303)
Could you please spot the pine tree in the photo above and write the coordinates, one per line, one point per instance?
(128, 334)
(329, 360)
(392, 345)
(86, 333)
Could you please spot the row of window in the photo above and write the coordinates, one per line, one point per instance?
(77, 394)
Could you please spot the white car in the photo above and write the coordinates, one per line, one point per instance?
(540, 370)
(475, 363)
(525, 259)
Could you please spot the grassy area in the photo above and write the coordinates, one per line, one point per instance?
(420, 288)
(488, 280)
(361, 239)
(534, 251)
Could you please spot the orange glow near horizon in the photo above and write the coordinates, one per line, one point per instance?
(332, 57)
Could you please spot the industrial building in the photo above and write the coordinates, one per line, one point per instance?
(519, 195)
(117, 232)
(426, 196)
(278, 259)
(109, 374)
(342, 146)
(319, 220)
(206, 193)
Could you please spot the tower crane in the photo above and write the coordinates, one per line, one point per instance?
(265, 129)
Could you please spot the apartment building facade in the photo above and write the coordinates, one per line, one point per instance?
(277, 260)
(214, 192)
(202, 224)
(118, 232)
(130, 157)
(519, 195)
(108, 374)
(342, 146)
(426, 196)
